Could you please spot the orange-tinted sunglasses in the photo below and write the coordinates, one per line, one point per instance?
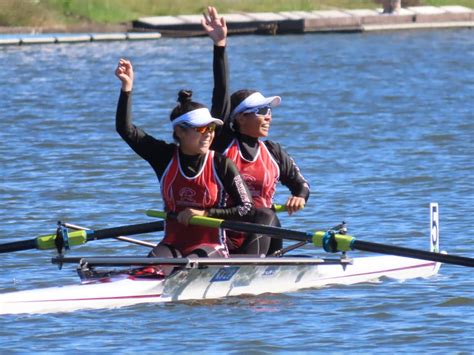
(209, 128)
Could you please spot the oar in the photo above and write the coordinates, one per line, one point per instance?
(330, 241)
(53, 241)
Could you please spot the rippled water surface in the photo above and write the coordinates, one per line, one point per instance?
(380, 124)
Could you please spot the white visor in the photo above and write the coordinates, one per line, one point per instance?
(196, 118)
(255, 100)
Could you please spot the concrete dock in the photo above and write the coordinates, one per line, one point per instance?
(317, 21)
(363, 20)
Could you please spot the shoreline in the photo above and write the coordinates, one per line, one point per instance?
(266, 23)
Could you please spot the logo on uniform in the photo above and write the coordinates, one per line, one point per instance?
(187, 194)
(251, 181)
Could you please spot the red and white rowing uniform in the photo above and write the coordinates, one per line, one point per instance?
(260, 174)
(202, 191)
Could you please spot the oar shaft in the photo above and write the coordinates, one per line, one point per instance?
(133, 229)
(79, 237)
(17, 246)
(412, 253)
(277, 232)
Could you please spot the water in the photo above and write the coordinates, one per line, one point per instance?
(381, 125)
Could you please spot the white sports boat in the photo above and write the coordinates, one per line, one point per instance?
(208, 278)
(212, 278)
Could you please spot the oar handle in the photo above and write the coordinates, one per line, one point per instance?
(279, 208)
(196, 220)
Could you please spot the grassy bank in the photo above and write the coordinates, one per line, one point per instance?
(52, 13)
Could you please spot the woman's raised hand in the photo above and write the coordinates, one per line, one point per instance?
(215, 27)
(124, 72)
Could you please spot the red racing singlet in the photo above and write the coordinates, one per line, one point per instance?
(202, 191)
(261, 174)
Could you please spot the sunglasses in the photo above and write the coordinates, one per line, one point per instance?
(209, 128)
(262, 110)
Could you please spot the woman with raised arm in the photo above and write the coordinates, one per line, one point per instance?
(195, 181)
(247, 116)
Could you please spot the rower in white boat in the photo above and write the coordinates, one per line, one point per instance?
(195, 181)
(247, 117)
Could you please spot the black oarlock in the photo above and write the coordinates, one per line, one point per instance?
(62, 240)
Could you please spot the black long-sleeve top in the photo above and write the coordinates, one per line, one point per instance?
(290, 174)
(158, 154)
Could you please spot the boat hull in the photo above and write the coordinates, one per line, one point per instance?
(211, 283)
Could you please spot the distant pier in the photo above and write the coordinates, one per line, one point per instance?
(317, 21)
(363, 20)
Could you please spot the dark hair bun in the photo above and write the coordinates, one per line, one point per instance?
(185, 104)
(185, 96)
